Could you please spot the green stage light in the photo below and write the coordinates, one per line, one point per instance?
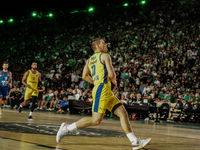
(34, 14)
(125, 5)
(10, 20)
(91, 9)
(74, 11)
(1, 21)
(50, 15)
(143, 2)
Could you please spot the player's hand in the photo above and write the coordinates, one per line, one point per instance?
(28, 86)
(115, 86)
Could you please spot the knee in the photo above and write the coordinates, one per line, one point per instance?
(96, 122)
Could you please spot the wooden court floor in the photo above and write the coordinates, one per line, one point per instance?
(164, 136)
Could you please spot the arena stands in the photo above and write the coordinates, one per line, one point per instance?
(155, 51)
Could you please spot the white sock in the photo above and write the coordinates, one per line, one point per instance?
(132, 138)
(70, 127)
(30, 114)
(21, 105)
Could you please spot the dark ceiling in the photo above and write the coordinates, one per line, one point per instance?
(19, 8)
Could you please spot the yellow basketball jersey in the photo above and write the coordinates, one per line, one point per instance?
(98, 70)
(32, 79)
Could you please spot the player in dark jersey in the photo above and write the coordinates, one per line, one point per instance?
(5, 82)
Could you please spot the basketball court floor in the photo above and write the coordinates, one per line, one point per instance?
(18, 133)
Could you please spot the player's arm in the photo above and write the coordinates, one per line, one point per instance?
(10, 80)
(39, 80)
(43, 89)
(10, 93)
(86, 74)
(108, 62)
(24, 80)
(21, 97)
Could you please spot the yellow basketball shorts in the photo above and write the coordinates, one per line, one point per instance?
(29, 93)
(103, 98)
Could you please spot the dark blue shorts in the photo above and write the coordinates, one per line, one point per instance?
(4, 92)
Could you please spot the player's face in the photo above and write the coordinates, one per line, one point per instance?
(34, 66)
(103, 46)
(5, 66)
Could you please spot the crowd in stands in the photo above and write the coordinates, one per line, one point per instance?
(155, 52)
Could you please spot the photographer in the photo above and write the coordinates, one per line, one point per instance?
(16, 98)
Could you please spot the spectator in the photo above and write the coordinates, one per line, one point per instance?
(62, 94)
(83, 97)
(62, 105)
(47, 99)
(77, 90)
(123, 99)
(89, 98)
(76, 95)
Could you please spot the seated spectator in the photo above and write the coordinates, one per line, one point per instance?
(138, 97)
(187, 97)
(117, 95)
(146, 89)
(196, 98)
(152, 94)
(132, 99)
(151, 87)
(62, 105)
(62, 94)
(173, 97)
(89, 98)
(77, 90)
(83, 97)
(147, 96)
(167, 98)
(157, 82)
(123, 99)
(82, 84)
(70, 94)
(47, 99)
(161, 96)
(77, 96)
(53, 100)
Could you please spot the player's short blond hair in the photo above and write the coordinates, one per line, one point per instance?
(95, 42)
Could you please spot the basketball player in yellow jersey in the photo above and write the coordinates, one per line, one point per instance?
(30, 80)
(99, 66)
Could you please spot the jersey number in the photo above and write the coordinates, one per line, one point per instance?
(93, 70)
(33, 78)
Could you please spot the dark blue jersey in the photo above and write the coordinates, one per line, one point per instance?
(4, 78)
